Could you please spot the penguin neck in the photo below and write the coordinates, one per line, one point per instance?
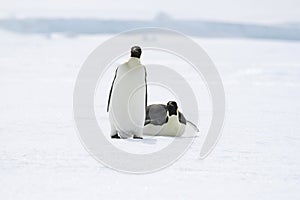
(133, 62)
(172, 116)
(173, 120)
(168, 113)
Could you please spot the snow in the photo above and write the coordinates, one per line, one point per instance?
(257, 157)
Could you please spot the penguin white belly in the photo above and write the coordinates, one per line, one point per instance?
(172, 128)
(127, 109)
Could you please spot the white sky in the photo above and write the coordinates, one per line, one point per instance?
(257, 11)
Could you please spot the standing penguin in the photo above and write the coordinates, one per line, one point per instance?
(165, 120)
(128, 98)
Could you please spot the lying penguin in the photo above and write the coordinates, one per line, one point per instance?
(165, 120)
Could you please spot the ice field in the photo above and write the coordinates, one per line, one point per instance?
(257, 157)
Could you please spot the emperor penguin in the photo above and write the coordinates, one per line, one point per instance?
(165, 120)
(127, 100)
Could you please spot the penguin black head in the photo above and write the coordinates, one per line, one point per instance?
(136, 51)
(172, 108)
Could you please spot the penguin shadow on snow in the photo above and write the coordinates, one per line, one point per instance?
(146, 140)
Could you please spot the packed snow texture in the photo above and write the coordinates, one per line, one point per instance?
(257, 157)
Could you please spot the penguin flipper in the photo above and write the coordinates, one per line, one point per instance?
(146, 93)
(184, 121)
(181, 118)
(111, 89)
(193, 125)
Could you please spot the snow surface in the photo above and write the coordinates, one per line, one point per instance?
(257, 157)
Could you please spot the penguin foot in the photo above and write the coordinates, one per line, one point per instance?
(137, 137)
(116, 136)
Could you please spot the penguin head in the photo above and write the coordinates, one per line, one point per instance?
(172, 108)
(136, 51)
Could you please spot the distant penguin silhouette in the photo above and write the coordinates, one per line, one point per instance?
(128, 98)
(165, 120)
